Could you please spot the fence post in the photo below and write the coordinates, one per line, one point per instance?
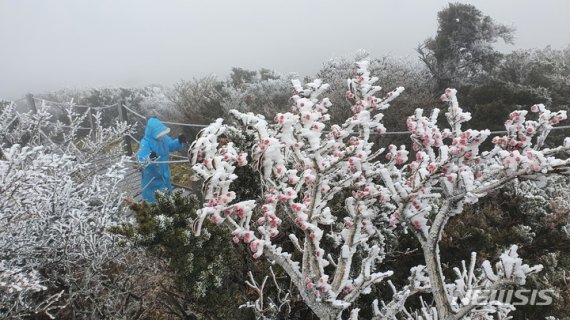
(32, 103)
(91, 123)
(123, 117)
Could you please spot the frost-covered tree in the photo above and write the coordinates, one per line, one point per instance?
(241, 76)
(156, 100)
(58, 195)
(546, 72)
(198, 101)
(306, 164)
(265, 95)
(523, 78)
(462, 49)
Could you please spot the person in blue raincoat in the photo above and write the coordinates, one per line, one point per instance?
(154, 150)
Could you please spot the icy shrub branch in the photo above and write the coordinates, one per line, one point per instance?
(55, 206)
(307, 164)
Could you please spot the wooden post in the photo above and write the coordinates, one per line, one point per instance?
(91, 123)
(32, 103)
(124, 118)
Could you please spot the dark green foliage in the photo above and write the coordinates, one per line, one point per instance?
(210, 270)
(539, 81)
(248, 187)
(248, 184)
(491, 103)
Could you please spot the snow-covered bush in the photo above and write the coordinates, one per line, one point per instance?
(208, 270)
(263, 96)
(58, 195)
(197, 101)
(305, 163)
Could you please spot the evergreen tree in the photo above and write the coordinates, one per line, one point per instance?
(462, 51)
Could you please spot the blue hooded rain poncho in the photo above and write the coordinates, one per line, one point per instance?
(156, 176)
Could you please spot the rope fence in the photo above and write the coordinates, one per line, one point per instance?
(134, 139)
(131, 183)
(11, 100)
(76, 105)
(385, 133)
(124, 110)
(166, 122)
(193, 125)
(492, 132)
(159, 161)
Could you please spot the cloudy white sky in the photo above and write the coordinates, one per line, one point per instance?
(50, 44)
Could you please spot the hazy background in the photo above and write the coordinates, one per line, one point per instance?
(48, 45)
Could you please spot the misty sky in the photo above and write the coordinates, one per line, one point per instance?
(51, 44)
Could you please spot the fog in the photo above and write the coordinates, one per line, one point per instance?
(48, 45)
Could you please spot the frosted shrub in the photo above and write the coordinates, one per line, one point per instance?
(55, 207)
(305, 163)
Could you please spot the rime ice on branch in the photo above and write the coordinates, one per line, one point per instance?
(304, 163)
(55, 206)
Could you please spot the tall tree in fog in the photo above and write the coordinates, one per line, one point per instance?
(463, 46)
